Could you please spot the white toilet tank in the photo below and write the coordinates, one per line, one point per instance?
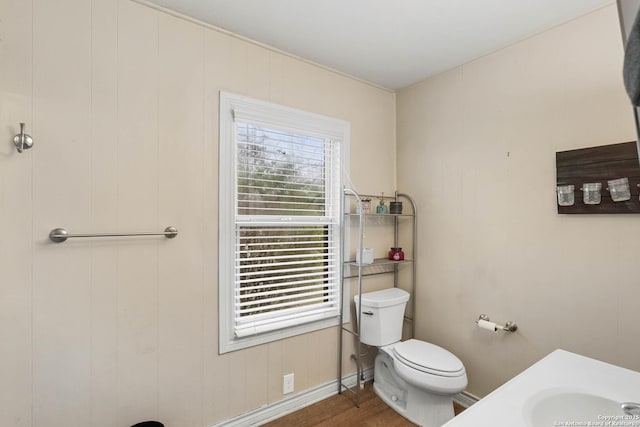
(382, 316)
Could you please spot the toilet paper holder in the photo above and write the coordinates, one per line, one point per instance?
(508, 327)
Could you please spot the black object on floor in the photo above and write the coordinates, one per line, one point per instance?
(148, 424)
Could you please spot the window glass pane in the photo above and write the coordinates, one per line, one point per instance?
(279, 172)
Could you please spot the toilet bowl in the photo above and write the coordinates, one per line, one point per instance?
(417, 379)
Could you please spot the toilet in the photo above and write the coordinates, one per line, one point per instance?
(417, 379)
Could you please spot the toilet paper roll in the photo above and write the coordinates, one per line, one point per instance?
(489, 326)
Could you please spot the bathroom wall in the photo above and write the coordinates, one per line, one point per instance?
(476, 147)
(122, 103)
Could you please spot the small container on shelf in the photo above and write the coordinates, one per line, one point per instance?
(364, 207)
(395, 208)
(382, 208)
(565, 195)
(619, 189)
(396, 254)
(367, 256)
(591, 193)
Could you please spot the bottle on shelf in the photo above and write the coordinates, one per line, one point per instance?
(382, 208)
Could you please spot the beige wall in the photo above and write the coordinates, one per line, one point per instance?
(122, 103)
(476, 147)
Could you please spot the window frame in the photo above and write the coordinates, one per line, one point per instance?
(239, 107)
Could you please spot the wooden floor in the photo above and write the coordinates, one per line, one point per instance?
(340, 411)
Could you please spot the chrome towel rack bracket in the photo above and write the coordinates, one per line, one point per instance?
(59, 235)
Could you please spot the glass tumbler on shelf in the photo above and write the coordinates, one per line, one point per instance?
(591, 193)
(565, 195)
(619, 189)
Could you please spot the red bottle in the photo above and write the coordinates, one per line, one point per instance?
(396, 254)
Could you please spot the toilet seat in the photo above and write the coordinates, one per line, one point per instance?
(428, 358)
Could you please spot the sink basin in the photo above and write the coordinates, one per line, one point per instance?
(562, 389)
(555, 407)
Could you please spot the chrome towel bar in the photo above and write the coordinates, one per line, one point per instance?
(59, 235)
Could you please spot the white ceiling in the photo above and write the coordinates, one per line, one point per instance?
(390, 43)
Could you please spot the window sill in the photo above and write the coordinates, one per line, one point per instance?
(229, 344)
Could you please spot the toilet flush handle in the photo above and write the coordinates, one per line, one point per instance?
(368, 313)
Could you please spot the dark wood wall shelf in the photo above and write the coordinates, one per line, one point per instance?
(599, 164)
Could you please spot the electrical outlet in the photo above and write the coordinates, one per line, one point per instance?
(287, 384)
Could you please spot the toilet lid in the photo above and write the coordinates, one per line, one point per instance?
(429, 358)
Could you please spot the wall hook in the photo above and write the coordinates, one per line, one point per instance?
(22, 141)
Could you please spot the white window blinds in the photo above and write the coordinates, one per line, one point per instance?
(287, 226)
(282, 173)
(285, 275)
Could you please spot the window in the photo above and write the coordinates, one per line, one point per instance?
(280, 195)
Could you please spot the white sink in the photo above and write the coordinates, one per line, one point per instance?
(562, 389)
(558, 407)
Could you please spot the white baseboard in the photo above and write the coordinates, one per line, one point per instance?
(310, 396)
(465, 399)
(287, 405)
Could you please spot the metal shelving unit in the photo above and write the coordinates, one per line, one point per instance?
(354, 270)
